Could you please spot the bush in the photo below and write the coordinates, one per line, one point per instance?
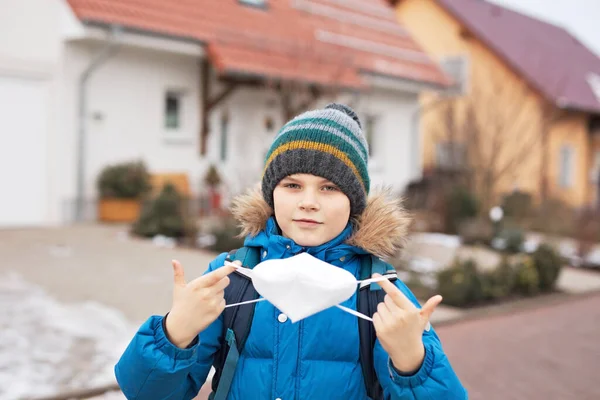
(163, 216)
(128, 180)
(461, 205)
(526, 277)
(226, 236)
(212, 178)
(548, 264)
(461, 284)
(514, 239)
(500, 282)
(517, 205)
(476, 231)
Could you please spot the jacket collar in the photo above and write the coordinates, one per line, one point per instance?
(380, 230)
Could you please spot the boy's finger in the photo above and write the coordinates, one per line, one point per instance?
(377, 322)
(429, 307)
(221, 285)
(391, 305)
(178, 274)
(399, 298)
(215, 276)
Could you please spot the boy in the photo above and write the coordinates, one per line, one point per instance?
(313, 199)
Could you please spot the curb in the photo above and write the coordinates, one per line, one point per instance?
(522, 305)
(81, 393)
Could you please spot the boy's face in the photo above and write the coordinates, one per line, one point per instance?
(309, 209)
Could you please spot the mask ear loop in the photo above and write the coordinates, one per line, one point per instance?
(247, 272)
(363, 316)
(354, 312)
(365, 282)
(245, 302)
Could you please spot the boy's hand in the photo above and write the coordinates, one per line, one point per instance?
(400, 324)
(196, 304)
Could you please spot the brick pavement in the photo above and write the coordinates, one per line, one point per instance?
(547, 353)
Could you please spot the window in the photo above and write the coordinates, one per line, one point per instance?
(450, 155)
(457, 68)
(370, 126)
(224, 134)
(566, 166)
(595, 171)
(255, 3)
(269, 124)
(173, 106)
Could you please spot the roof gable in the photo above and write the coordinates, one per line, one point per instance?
(320, 41)
(547, 56)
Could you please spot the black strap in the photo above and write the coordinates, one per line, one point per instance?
(239, 318)
(367, 302)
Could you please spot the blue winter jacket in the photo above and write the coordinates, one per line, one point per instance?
(316, 358)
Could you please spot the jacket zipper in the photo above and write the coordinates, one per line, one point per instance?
(298, 374)
(298, 360)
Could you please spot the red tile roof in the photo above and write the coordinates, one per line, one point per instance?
(319, 41)
(547, 56)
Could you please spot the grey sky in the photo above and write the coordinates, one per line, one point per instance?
(580, 17)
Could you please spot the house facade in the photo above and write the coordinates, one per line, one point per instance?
(85, 84)
(531, 88)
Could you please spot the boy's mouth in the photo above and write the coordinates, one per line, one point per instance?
(307, 221)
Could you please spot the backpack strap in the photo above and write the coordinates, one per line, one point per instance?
(237, 322)
(249, 256)
(368, 298)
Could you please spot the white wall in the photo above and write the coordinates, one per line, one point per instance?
(125, 117)
(393, 161)
(30, 58)
(126, 120)
(249, 139)
(29, 35)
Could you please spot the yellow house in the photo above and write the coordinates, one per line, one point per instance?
(527, 99)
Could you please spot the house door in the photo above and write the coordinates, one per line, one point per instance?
(23, 146)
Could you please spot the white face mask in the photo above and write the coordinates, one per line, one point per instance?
(303, 285)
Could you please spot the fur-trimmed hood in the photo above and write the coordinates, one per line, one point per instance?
(380, 230)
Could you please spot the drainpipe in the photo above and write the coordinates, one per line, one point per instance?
(100, 58)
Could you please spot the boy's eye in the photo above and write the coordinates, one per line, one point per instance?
(291, 185)
(330, 188)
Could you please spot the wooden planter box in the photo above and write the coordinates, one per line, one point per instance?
(119, 210)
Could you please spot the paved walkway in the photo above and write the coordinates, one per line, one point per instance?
(74, 297)
(541, 354)
(98, 263)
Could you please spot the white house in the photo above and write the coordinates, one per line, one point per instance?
(85, 83)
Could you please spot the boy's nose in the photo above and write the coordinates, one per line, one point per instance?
(309, 203)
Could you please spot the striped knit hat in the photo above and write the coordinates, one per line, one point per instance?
(328, 143)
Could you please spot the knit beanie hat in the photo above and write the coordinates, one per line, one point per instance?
(328, 143)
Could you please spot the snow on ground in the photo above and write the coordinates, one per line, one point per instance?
(450, 241)
(47, 347)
